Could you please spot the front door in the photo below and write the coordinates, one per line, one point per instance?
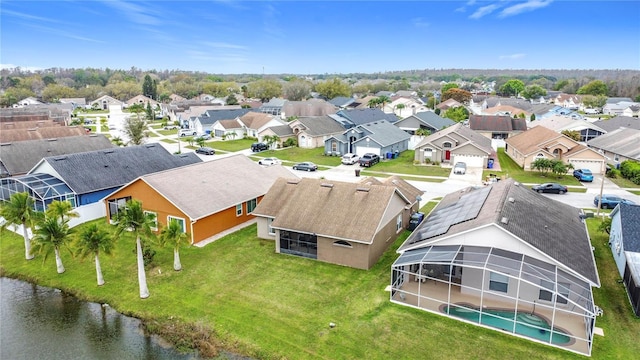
(447, 155)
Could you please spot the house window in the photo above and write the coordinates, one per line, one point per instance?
(115, 205)
(239, 209)
(334, 146)
(399, 223)
(545, 290)
(342, 243)
(540, 155)
(299, 244)
(272, 231)
(179, 220)
(616, 158)
(251, 204)
(498, 282)
(154, 227)
(563, 292)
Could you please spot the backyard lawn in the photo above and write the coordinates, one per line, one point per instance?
(273, 306)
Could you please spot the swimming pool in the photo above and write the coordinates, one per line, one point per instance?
(527, 324)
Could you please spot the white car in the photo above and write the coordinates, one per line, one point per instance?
(350, 159)
(460, 168)
(270, 161)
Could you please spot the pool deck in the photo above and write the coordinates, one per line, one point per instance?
(431, 295)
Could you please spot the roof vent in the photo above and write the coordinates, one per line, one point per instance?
(60, 158)
(52, 139)
(108, 151)
(293, 182)
(504, 220)
(512, 200)
(362, 189)
(327, 185)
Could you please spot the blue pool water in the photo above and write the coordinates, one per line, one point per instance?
(529, 325)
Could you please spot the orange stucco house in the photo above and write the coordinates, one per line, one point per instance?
(207, 198)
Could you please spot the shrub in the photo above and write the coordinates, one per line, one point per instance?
(630, 170)
(613, 173)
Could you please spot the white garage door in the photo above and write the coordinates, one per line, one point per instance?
(471, 160)
(594, 165)
(361, 150)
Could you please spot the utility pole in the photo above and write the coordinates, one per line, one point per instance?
(604, 173)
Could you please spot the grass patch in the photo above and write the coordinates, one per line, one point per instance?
(403, 164)
(232, 145)
(161, 131)
(510, 168)
(625, 183)
(636, 192)
(273, 306)
(169, 141)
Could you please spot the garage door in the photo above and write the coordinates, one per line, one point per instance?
(361, 150)
(471, 160)
(594, 165)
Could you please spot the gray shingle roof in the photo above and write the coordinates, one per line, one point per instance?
(363, 116)
(383, 133)
(623, 141)
(618, 122)
(320, 125)
(211, 116)
(434, 120)
(282, 130)
(91, 171)
(342, 101)
(630, 220)
(19, 157)
(550, 226)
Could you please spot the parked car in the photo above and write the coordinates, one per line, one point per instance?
(350, 159)
(186, 132)
(460, 168)
(583, 175)
(204, 136)
(553, 188)
(369, 159)
(205, 150)
(610, 201)
(170, 127)
(305, 166)
(415, 220)
(256, 147)
(270, 161)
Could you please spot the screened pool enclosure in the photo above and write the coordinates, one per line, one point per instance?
(43, 188)
(498, 289)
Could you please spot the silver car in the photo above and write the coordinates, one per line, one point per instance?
(460, 168)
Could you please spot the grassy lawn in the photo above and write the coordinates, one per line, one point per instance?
(169, 141)
(273, 306)
(232, 145)
(166, 132)
(509, 168)
(625, 183)
(637, 192)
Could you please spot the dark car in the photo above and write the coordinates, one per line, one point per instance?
(610, 201)
(369, 159)
(583, 175)
(205, 151)
(552, 188)
(305, 166)
(256, 147)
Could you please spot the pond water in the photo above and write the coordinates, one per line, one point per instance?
(43, 323)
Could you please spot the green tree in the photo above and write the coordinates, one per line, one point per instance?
(201, 141)
(512, 87)
(572, 134)
(54, 92)
(594, 102)
(399, 107)
(423, 132)
(150, 87)
(373, 103)
(543, 165)
(149, 112)
(297, 90)
(174, 236)
(333, 88)
(605, 225)
(135, 128)
(383, 100)
(533, 92)
(596, 87)
(457, 114)
(448, 86)
(559, 168)
(131, 217)
(271, 139)
(19, 210)
(51, 235)
(92, 241)
(264, 89)
(232, 100)
(62, 210)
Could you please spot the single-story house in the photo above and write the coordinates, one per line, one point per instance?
(497, 126)
(456, 143)
(17, 158)
(142, 100)
(344, 223)
(273, 106)
(40, 133)
(250, 124)
(618, 122)
(619, 145)
(104, 101)
(86, 178)
(540, 142)
(311, 107)
(503, 257)
(427, 120)
(587, 130)
(283, 132)
(624, 240)
(379, 137)
(207, 198)
(352, 117)
(206, 121)
(312, 131)
(404, 106)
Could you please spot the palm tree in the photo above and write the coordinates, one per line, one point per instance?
(201, 141)
(132, 218)
(400, 107)
(61, 209)
(373, 103)
(92, 241)
(52, 234)
(383, 100)
(173, 235)
(19, 210)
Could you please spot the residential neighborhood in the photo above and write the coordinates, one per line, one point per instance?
(477, 245)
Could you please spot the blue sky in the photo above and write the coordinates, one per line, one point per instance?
(316, 37)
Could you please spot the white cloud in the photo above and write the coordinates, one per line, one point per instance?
(28, 16)
(512, 56)
(23, 68)
(136, 13)
(484, 10)
(222, 45)
(530, 5)
(420, 22)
